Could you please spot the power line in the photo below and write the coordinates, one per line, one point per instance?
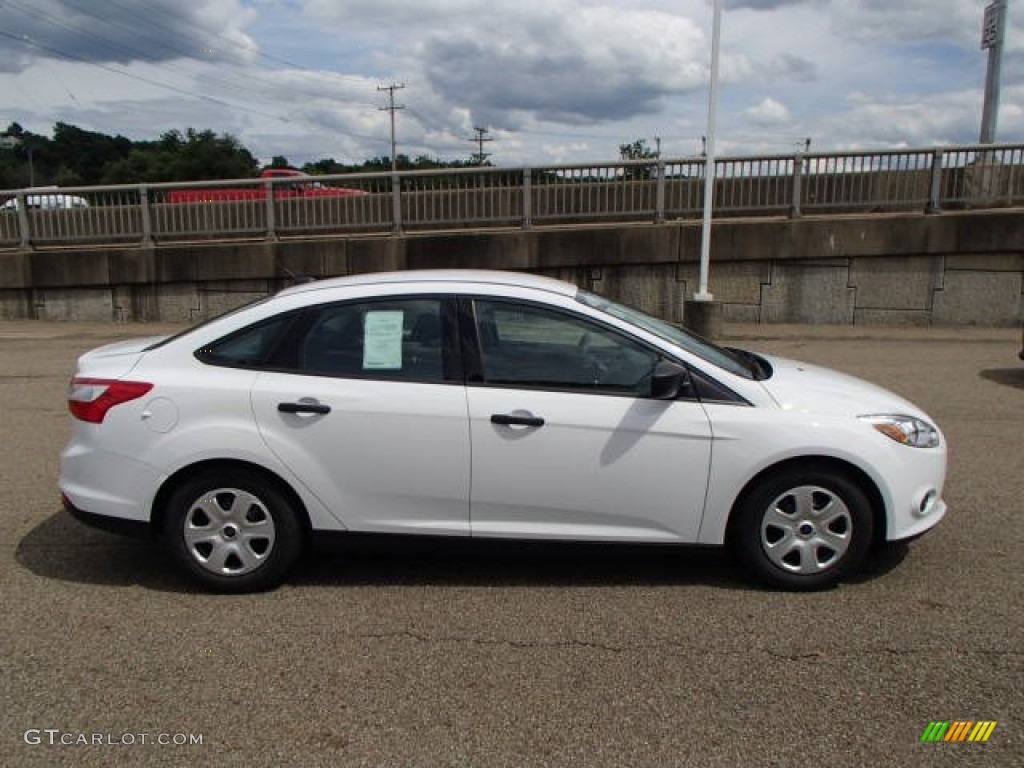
(234, 43)
(116, 48)
(140, 78)
(131, 52)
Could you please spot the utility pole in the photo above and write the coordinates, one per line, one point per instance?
(479, 139)
(993, 32)
(392, 108)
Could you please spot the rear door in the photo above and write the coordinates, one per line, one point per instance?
(368, 411)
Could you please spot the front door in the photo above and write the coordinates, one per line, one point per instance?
(566, 441)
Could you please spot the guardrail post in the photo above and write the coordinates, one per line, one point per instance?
(147, 223)
(271, 211)
(934, 204)
(396, 203)
(527, 198)
(795, 210)
(23, 223)
(659, 196)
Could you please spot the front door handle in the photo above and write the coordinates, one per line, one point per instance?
(507, 419)
(303, 408)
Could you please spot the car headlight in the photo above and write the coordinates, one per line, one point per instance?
(906, 430)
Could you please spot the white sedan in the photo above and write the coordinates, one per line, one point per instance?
(489, 405)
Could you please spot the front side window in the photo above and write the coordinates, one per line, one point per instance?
(523, 345)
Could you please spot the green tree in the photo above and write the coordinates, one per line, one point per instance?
(79, 156)
(638, 150)
(326, 167)
(27, 159)
(205, 155)
(192, 156)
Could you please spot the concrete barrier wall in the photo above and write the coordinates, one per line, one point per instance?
(901, 269)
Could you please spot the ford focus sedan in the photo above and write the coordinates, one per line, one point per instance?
(486, 405)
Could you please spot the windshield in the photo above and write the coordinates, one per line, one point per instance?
(704, 349)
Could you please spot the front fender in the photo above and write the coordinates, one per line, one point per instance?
(748, 441)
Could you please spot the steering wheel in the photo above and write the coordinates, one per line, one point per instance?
(587, 349)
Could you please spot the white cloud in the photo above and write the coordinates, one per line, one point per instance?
(566, 80)
(876, 21)
(951, 118)
(123, 31)
(769, 112)
(551, 68)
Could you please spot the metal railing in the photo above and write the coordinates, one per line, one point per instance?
(925, 180)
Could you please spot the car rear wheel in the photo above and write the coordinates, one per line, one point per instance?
(803, 529)
(233, 530)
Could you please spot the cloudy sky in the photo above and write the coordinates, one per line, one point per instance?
(554, 81)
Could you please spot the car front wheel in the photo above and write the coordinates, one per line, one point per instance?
(233, 530)
(803, 530)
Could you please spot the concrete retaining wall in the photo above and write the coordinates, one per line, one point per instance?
(903, 269)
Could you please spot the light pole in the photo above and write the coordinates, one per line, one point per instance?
(703, 315)
(993, 32)
(709, 160)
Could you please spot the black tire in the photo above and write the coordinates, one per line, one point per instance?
(233, 530)
(802, 529)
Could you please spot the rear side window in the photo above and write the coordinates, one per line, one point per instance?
(390, 339)
(249, 347)
(396, 339)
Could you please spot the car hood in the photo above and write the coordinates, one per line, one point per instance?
(801, 386)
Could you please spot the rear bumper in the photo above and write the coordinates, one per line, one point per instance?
(107, 483)
(138, 529)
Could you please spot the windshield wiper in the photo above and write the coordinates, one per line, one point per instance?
(759, 368)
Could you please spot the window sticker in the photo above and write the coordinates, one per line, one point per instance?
(382, 340)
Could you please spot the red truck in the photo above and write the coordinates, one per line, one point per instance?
(302, 185)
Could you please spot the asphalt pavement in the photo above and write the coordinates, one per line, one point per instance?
(522, 655)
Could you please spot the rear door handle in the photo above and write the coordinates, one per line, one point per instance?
(303, 408)
(507, 419)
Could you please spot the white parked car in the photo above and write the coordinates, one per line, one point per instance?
(491, 405)
(47, 202)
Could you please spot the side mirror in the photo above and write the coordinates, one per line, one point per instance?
(668, 380)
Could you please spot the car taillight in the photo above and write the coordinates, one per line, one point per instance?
(90, 399)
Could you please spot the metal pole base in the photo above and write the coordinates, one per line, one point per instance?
(703, 318)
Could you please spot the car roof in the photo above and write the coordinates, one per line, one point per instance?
(463, 277)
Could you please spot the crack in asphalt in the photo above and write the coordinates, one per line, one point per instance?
(670, 644)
